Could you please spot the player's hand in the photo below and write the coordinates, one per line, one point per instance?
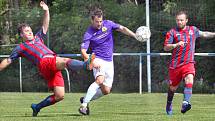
(137, 37)
(181, 44)
(44, 6)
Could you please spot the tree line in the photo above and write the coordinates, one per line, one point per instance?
(69, 20)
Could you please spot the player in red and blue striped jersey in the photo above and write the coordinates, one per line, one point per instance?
(181, 40)
(49, 65)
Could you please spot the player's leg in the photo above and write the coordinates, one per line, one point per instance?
(189, 72)
(73, 64)
(105, 87)
(92, 90)
(102, 85)
(174, 81)
(50, 100)
(188, 87)
(55, 83)
(170, 95)
(187, 93)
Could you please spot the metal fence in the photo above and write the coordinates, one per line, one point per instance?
(140, 55)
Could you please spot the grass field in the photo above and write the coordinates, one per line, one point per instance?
(114, 107)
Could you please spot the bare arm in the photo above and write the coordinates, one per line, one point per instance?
(46, 17)
(6, 62)
(86, 57)
(126, 31)
(169, 47)
(206, 34)
(84, 54)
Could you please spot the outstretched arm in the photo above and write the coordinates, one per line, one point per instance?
(126, 31)
(46, 17)
(6, 62)
(207, 35)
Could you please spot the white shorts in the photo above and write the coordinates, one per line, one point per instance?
(106, 69)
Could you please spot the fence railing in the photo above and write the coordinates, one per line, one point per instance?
(115, 54)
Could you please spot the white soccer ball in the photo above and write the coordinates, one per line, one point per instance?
(143, 33)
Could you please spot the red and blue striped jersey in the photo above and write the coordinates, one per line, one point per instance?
(182, 55)
(33, 50)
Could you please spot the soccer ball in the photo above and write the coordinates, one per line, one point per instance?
(143, 33)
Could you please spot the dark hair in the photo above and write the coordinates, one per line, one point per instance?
(21, 26)
(181, 12)
(96, 12)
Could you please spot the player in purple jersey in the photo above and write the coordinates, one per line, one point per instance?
(181, 40)
(99, 37)
(49, 65)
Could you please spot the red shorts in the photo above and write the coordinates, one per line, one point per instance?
(48, 70)
(178, 74)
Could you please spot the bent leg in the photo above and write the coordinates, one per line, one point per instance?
(92, 90)
(52, 99)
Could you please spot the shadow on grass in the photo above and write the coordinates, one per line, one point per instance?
(46, 115)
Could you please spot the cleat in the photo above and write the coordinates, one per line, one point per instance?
(84, 110)
(90, 61)
(186, 106)
(35, 111)
(169, 108)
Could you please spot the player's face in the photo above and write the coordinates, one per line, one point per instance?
(97, 22)
(27, 33)
(181, 21)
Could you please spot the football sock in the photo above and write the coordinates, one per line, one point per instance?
(98, 94)
(187, 94)
(50, 100)
(76, 65)
(90, 93)
(170, 96)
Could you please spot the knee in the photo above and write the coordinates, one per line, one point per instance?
(100, 79)
(173, 89)
(59, 97)
(106, 91)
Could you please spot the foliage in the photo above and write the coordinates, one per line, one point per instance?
(69, 21)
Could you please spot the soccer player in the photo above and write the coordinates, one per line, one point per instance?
(181, 41)
(99, 39)
(49, 65)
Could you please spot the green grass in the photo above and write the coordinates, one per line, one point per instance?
(114, 107)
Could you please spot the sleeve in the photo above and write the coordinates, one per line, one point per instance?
(114, 25)
(41, 35)
(169, 37)
(196, 31)
(15, 53)
(86, 41)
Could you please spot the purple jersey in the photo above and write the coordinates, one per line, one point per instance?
(100, 41)
(33, 50)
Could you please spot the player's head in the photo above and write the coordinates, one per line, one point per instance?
(25, 31)
(96, 18)
(181, 19)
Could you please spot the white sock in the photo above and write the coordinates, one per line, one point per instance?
(90, 92)
(98, 94)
